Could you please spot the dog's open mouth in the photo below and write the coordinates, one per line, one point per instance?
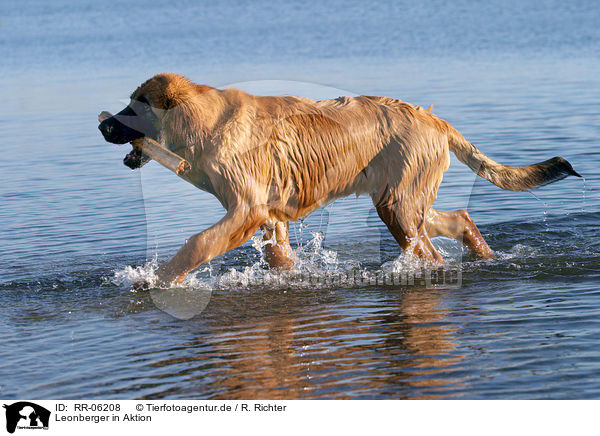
(135, 158)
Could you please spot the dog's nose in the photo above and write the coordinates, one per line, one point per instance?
(105, 128)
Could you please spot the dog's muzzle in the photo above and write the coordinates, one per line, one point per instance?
(122, 128)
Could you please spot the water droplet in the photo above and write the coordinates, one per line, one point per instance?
(584, 189)
(545, 219)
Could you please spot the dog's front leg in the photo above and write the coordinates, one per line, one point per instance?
(235, 228)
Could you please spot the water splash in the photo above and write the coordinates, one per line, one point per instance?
(313, 257)
(546, 206)
(316, 267)
(130, 275)
(519, 251)
(298, 227)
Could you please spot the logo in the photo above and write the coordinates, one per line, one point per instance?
(26, 415)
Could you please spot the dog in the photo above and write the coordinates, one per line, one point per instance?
(270, 160)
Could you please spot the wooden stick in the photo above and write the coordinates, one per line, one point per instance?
(155, 151)
(160, 154)
(104, 115)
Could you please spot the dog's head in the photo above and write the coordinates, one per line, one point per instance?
(143, 116)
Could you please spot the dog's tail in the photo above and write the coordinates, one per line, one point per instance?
(507, 177)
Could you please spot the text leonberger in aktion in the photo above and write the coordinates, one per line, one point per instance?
(270, 160)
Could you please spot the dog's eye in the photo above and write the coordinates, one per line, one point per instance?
(146, 111)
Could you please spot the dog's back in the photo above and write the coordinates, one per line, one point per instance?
(322, 150)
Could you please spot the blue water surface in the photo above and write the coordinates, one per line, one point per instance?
(518, 78)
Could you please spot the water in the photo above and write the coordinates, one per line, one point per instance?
(519, 79)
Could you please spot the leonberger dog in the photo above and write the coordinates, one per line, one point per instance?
(270, 160)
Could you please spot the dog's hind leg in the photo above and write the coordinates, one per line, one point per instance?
(458, 225)
(409, 236)
(278, 253)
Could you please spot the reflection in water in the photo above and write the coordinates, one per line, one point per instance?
(429, 340)
(339, 349)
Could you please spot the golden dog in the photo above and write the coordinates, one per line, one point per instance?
(270, 160)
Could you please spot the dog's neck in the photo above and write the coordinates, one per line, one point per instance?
(188, 125)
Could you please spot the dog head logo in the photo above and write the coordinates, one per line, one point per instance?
(26, 415)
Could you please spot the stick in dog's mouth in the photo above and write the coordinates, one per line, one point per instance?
(145, 149)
